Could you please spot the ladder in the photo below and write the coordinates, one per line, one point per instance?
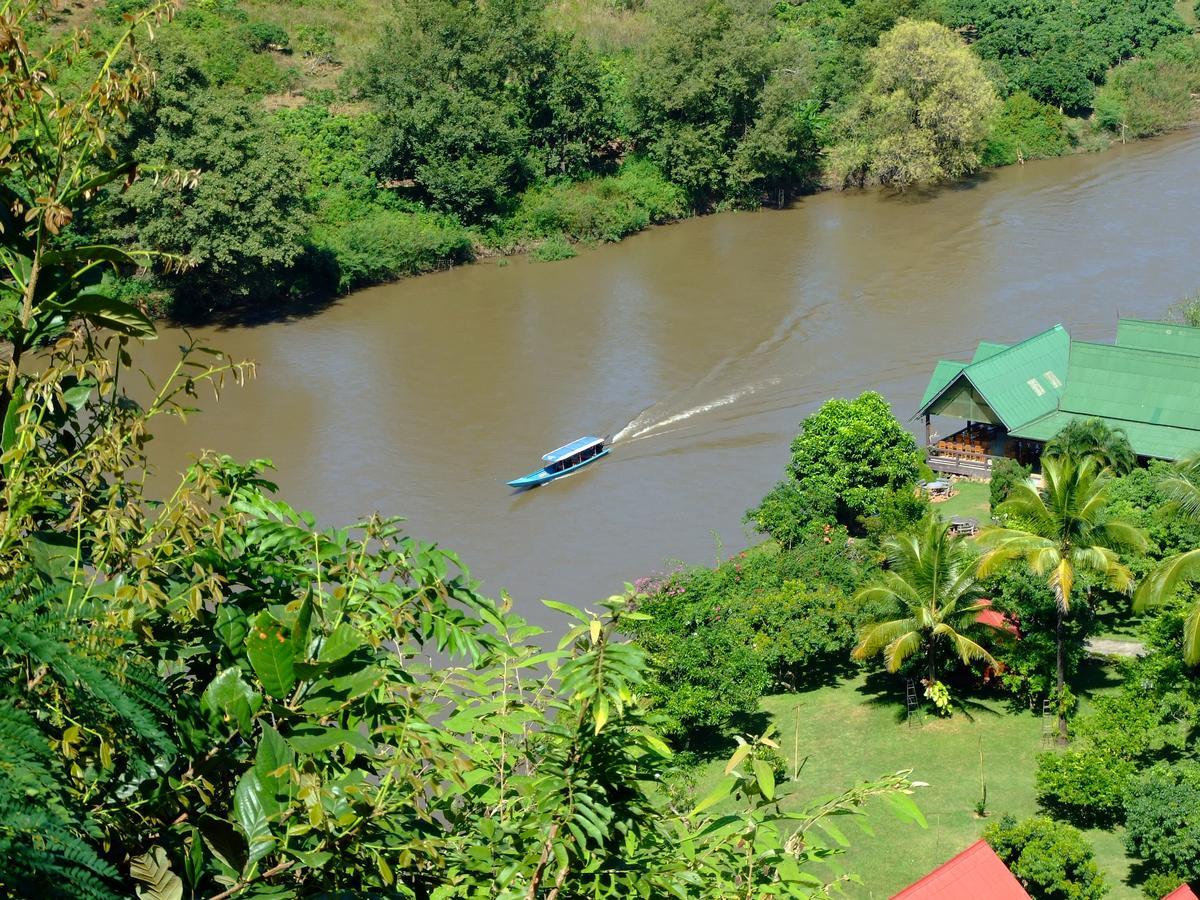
(1049, 724)
(912, 701)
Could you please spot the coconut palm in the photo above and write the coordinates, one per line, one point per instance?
(1093, 437)
(1183, 489)
(1063, 528)
(931, 574)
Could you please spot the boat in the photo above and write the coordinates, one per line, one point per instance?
(566, 460)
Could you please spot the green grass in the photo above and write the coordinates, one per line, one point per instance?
(855, 731)
(971, 498)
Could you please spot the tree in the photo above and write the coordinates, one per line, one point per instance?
(1183, 490)
(1081, 438)
(931, 576)
(1051, 859)
(477, 100)
(923, 114)
(1162, 819)
(719, 102)
(1058, 530)
(851, 461)
(229, 198)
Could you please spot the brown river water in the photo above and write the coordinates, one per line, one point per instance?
(700, 346)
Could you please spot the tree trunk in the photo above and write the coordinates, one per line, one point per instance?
(1058, 640)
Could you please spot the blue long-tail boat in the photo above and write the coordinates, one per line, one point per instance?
(564, 461)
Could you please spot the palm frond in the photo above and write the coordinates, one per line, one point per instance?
(901, 649)
(1160, 585)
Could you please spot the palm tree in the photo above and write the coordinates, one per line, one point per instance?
(1093, 437)
(931, 574)
(1183, 489)
(1061, 529)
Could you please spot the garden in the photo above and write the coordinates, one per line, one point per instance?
(864, 634)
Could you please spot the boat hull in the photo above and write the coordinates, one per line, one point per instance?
(541, 476)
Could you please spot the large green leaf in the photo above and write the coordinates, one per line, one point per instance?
(153, 870)
(311, 739)
(273, 762)
(230, 699)
(329, 694)
(232, 626)
(118, 315)
(343, 640)
(249, 811)
(272, 655)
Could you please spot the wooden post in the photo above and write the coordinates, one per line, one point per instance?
(928, 431)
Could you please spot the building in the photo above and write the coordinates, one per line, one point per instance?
(975, 874)
(1015, 397)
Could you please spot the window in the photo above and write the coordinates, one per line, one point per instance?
(1036, 386)
(1052, 378)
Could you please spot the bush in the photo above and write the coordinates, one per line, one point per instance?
(260, 36)
(1051, 859)
(1085, 787)
(1025, 129)
(1152, 95)
(315, 43)
(600, 209)
(1005, 474)
(388, 244)
(554, 248)
(114, 11)
(1162, 818)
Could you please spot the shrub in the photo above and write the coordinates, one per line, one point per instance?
(1085, 787)
(388, 244)
(260, 36)
(1005, 474)
(1162, 818)
(115, 10)
(315, 42)
(554, 248)
(1149, 96)
(1025, 129)
(1051, 859)
(600, 209)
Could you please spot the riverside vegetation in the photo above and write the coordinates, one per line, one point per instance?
(859, 568)
(203, 694)
(336, 145)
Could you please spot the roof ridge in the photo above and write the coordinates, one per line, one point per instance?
(1011, 347)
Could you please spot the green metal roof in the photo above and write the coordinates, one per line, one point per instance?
(1165, 337)
(987, 349)
(1133, 385)
(1018, 383)
(1158, 441)
(944, 372)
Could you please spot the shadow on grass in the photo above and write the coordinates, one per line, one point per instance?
(827, 673)
(713, 744)
(1094, 677)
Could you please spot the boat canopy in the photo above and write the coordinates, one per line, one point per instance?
(584, 443)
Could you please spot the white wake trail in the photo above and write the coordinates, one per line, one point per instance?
(635, 430)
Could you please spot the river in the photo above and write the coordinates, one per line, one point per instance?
(701, 345)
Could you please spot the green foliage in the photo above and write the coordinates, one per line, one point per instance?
(606, 208)
(1025, 129)
(260, 36)
(553, 249)
(721, 103)
(1051, 859)
(930, 580)
(387, 244)
(230, 199)
(721, 637)
(1057, 50)
(476, 101)
(1082, 438)
(851, 462)
(921, 117)
(1085, 787)
(1005, 474)
(315, 42)
(1162, 819)
(1148, 96)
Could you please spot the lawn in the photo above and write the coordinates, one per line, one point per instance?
(971, 498)
(856, 730)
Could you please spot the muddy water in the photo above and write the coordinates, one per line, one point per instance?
(700, 345)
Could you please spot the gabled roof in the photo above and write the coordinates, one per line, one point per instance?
(1165, 337)
(1019, 383)
(944, 372)
(1183, 892)
(975, 874)
(987, 349)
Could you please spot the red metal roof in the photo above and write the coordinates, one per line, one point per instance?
(1183, 892)
(975, 874)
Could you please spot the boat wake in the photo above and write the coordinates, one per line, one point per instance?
(645, 425)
